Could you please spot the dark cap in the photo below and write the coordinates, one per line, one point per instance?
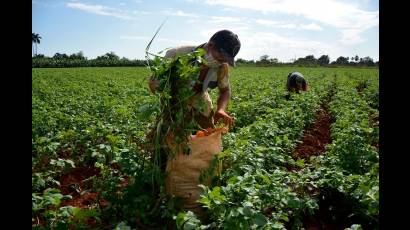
(227, 43)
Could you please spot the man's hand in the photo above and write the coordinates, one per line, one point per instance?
(228, 120)
(153, 84)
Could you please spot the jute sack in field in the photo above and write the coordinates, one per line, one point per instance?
(183, 171)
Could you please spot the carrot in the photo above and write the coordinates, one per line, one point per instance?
(200, 133)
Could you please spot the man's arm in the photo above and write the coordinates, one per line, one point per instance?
(223, 99)
(224, 96)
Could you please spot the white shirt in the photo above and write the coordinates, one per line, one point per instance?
(211, 80)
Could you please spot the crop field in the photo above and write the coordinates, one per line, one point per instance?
(311, 161)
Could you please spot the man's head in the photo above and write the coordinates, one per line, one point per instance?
(224, 46)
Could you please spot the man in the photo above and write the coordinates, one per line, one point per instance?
(221, 49)
(296, 82)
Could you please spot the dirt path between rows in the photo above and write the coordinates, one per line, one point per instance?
(316, 137)
(334, 207)
(313, 143)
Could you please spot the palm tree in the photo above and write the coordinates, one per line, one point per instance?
(35, 38)
(32, 42)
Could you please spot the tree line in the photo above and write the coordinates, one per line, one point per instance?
(310, 60)
(78, 60)
(111, 60)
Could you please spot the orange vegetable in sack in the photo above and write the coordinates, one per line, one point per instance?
(200, 133)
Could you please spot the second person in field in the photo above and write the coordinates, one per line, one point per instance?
(295, 83)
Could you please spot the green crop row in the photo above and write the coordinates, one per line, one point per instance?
(257, 190)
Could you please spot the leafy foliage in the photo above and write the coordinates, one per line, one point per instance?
(99, 118)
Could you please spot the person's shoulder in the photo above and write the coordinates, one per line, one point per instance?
(186, 48)
(179, 50)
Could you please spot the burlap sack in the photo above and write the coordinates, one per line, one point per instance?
(184, 170)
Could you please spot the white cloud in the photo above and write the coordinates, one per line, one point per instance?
(351, 36)
(267, 22)
(140, 12)
(285, 25)
(341, 15)
(276, 24)
(157, 39)
(40, 3)
(222, 22)
(256, 44)
(229, 10)
(183, 14)
(207, 33)
(190, 21)
(311, 26)
(207, 18)
(219, 19)
(288, 26)
(100, 10)
(179, 13)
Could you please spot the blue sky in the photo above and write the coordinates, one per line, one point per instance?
(279, 28)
